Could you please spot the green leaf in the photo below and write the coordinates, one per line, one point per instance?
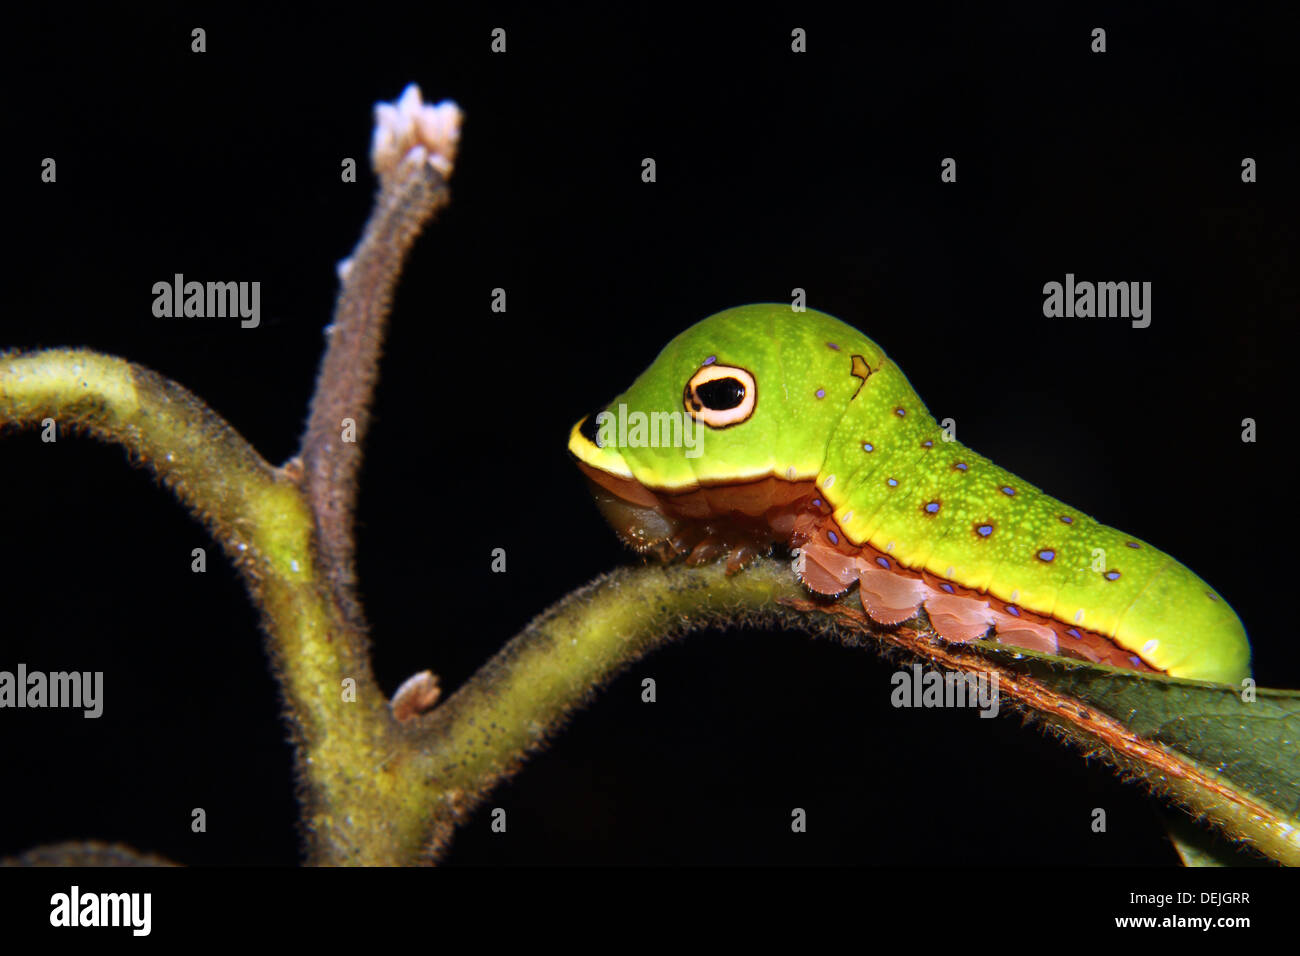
(1232, 761)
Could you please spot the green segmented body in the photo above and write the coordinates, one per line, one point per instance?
(830, 407)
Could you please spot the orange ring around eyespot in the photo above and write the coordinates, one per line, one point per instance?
(720, 418)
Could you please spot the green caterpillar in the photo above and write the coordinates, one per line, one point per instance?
(761, 426)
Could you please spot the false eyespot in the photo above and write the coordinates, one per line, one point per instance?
(720, 395)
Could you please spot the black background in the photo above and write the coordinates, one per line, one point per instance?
(775, 171)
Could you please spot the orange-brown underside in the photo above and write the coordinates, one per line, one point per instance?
(745, 519)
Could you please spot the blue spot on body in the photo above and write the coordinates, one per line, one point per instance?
(817, 502)
(832, 345)
(1008, 490)
(1133, 544)
(867, 446)
(1211, 595)
(960, 466)
(835, 539)
(821, 393)
(900, 412)
(928, 443)
(948, 588)
(1074, 632)
(710, 360)
(892, 482)
(1013, 610)
(1047, 555)
(985, 530)
(1067, 519)
(883, 562)
(1112, 575)
(932, 507)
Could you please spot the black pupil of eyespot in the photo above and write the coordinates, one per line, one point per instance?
(588, 428)
(721, 393)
